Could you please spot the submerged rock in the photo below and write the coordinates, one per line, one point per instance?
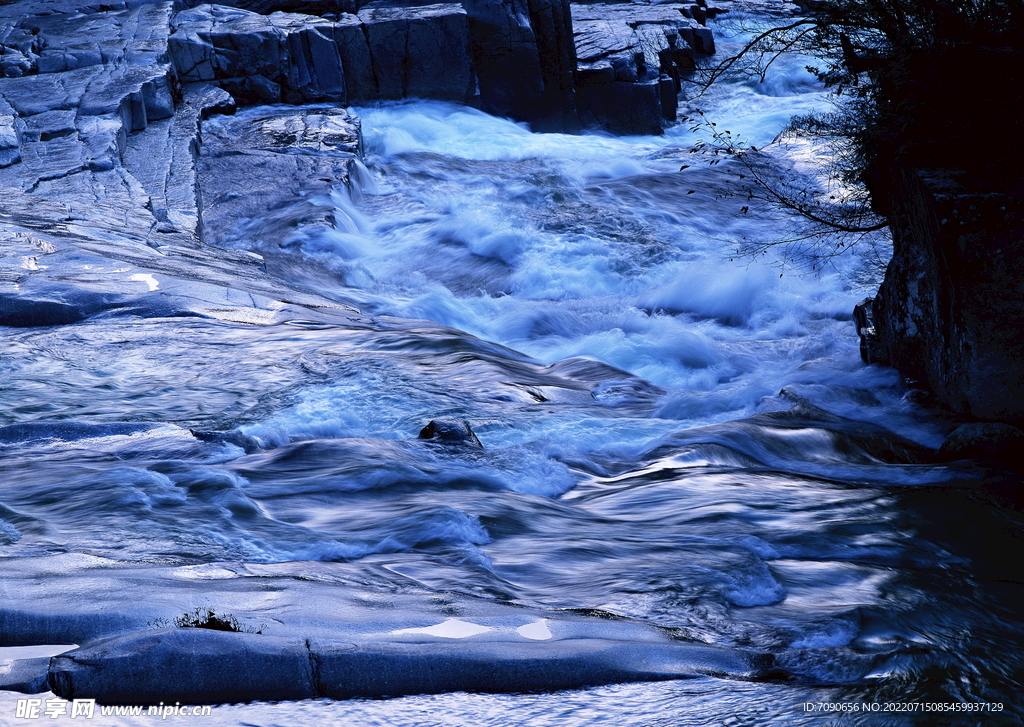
(69, 431)
(989, 441)
(450, 431)
(235, 437)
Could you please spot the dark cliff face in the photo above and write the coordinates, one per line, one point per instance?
(950, 311)
(511, 58)
(946, 170)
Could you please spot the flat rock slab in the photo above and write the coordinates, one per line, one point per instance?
(84, 83)
(191, 665)
(202, 666)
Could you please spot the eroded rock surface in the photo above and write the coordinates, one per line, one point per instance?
(268, 171)
(148, 198)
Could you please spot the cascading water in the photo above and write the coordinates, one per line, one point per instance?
(670, 437)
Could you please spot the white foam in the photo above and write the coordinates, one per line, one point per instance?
(833, 634)
(452, 628)
(147, 278)
(538, 631)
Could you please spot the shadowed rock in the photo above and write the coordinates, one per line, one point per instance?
(419, 52)
(989, 441)
(450, 431)
(948, 313)
(384, 53)
(258, 59)
(632, 59)
(266, 7)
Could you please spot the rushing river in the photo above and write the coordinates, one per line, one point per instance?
(671, 435)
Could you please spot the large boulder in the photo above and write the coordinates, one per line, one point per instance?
(285, 57)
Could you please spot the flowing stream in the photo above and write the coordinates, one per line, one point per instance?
(671, 435)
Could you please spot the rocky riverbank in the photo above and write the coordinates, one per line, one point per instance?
(109, 155)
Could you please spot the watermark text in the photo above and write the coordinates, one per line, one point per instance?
(87, 709)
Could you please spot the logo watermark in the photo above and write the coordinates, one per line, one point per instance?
(87, 709)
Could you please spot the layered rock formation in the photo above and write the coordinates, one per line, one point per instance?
(511, 57)
(534, 61)
(101, 200)
(381, 53)
(119, 157)
(632, 61)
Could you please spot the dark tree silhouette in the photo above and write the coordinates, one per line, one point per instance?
(917, 83)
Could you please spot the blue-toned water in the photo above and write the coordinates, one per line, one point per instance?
(672, 436)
